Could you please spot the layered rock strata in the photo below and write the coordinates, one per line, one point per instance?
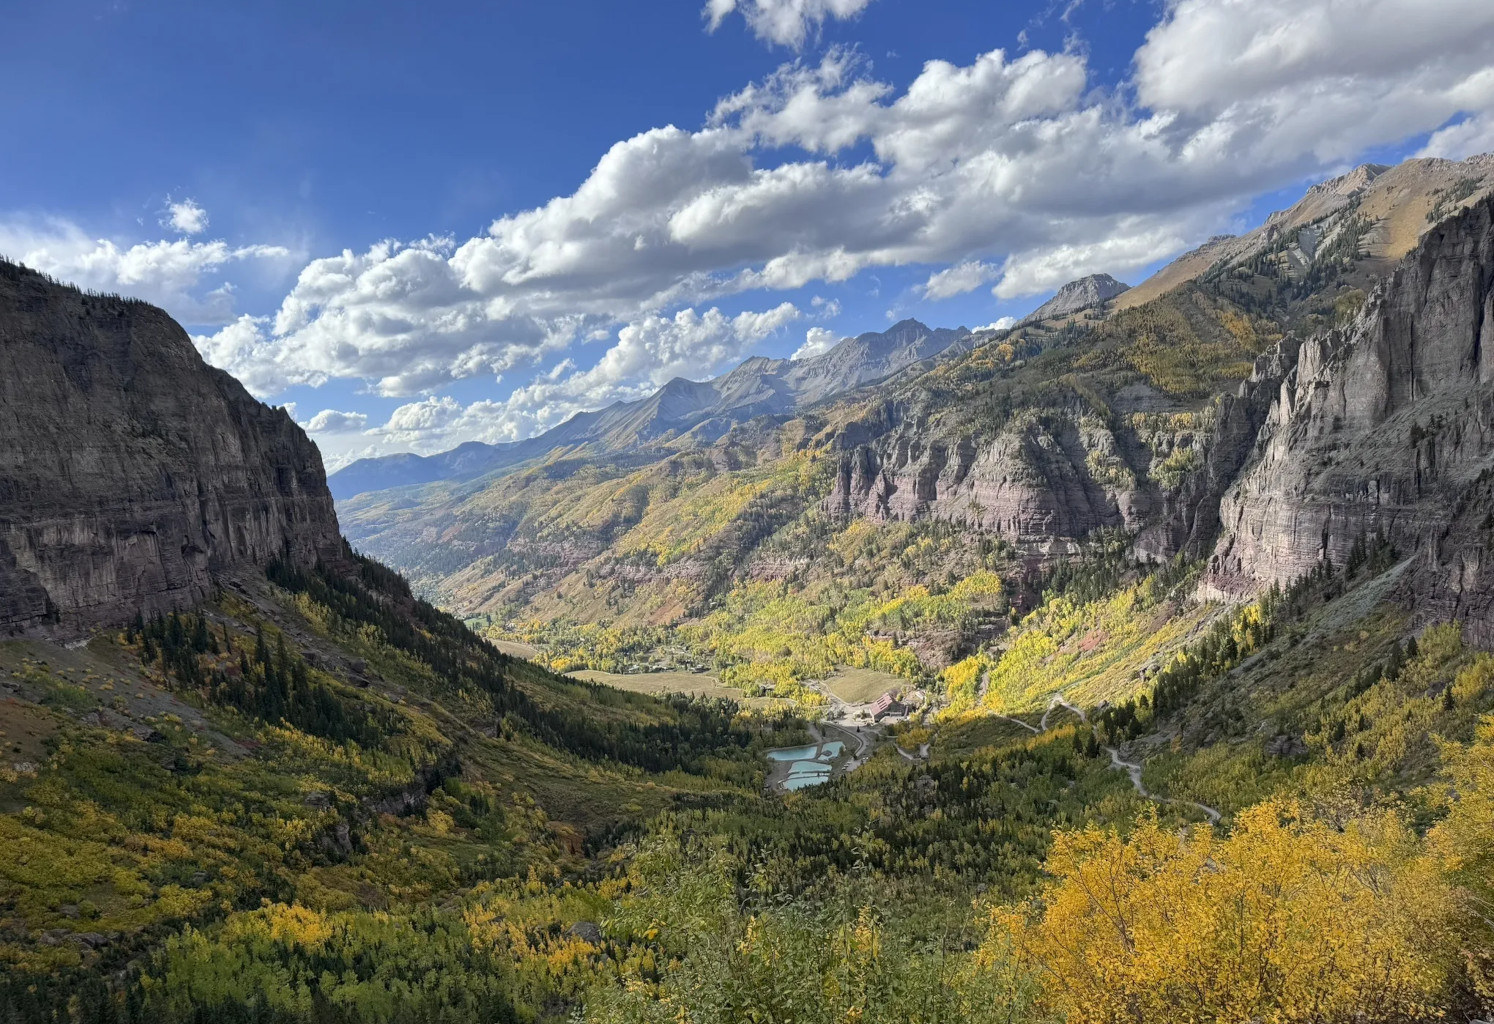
(131, 472)
(1384, 427)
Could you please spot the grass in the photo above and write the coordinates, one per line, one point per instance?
(517, 650)
(863, 685)
(661, 682)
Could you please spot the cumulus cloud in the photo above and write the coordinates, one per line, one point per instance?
(416, 423)
(185, 216)
(1132, 245)
(1005, 323)
(959, 279)
(817, 341)
(169, 273)
(330, 421)
(784, 22)
(1010, 170)
(648, 353)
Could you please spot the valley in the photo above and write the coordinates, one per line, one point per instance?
(1129, 663)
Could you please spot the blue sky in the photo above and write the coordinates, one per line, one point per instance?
(420, 230)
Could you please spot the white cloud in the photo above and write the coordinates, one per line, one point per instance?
(330, 421)
(784, 22)
(1004, 323)
(959, 279)
(821, 172)
(817, 341)
(647, 354)
(1132, 245)
(1321, 79)
(185, 216)
(167, 273)
(415, 424)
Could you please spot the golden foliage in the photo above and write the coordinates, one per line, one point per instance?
(1287, 919)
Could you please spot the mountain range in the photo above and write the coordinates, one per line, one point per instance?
(699, 411)
(1118, 413)
(1179, 597)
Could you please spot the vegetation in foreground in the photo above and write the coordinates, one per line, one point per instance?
(330, 802)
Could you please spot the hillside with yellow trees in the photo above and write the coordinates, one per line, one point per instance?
(1128, 669)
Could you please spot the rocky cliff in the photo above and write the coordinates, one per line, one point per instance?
(131, 473)
(1051, 477)
(1384, 426)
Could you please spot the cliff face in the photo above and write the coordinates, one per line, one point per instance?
(1054, 475)
(130, 471)
(1384, 426)
(1033, 481)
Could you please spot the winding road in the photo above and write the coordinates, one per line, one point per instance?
(1117, 762)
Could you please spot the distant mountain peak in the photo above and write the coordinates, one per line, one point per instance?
(1353, 183)
(757, 386)
(1076, 295)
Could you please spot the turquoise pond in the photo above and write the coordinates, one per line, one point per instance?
(809, 765)
(791, 753)
(803, 781)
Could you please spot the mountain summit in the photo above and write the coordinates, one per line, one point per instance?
(1082, 294)
(756, 387)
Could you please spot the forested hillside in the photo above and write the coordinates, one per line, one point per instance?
(1129, 776)
(317, 799)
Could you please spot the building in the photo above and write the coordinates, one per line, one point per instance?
(887, 705)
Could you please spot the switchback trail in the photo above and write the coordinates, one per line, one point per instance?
(1129, 767)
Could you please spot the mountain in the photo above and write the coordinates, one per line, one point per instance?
(1136, 421)
(1085, 293)
(217, 717)
(131, 473)
(1380, 429)
(1375, 214)
(757, 387)
(1190, 600)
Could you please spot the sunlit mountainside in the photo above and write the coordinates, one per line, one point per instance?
(1128, 662)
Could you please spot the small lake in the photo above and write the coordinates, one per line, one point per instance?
(792, 753)
(808, 765)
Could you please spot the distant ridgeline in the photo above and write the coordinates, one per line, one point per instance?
(1193, 577)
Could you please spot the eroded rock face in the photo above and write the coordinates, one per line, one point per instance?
(1031, 481)
(130, 471)
(1051, 477)
(1385, 426)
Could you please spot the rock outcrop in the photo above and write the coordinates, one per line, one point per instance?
(131, 472)
(1031, 482)
(1085, 293)
(1383, 427)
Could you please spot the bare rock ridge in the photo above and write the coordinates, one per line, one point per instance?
(1384, 426)
(131, 472)
(1376, 212)
(1085, 293)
